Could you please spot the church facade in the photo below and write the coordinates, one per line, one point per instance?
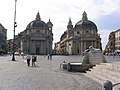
(75, 40)
(37, 38)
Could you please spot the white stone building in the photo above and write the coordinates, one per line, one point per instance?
(37, 38)
(78, 38)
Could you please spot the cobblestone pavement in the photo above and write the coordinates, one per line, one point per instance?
(112, 58)
(46, 75)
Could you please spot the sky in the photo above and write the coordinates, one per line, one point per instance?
(104, 13)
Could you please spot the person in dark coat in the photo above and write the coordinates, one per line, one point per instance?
(28, 59)
(50, 56)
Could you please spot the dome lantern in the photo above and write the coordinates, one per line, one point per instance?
(84, 16)
(38, 16)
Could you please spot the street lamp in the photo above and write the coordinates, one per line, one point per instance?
(13, 57)
(49, 47)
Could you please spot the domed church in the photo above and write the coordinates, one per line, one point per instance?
(38, 37)
(78, 38)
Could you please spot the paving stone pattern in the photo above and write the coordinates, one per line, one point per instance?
(46, 75)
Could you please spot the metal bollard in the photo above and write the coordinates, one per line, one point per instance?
(108, 85)
(68, 67)
(60, 65)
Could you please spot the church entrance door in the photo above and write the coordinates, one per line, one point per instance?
(37, 50)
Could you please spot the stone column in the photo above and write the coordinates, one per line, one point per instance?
(92, 43)
(95, 44)
(81, 46)
(85, 45)
(44, 47)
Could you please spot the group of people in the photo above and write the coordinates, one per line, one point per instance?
(34, 58)
(50, 56)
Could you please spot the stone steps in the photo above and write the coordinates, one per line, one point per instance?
(105, 76)
(95, 58)
(106, 71)
(109, 66)
(113, 66)
(98, 77)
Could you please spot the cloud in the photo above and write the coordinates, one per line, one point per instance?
(104, 34)
(104, 13)
(111, 21)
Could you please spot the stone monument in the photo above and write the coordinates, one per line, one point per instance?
(93, 56)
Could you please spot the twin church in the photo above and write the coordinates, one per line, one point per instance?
(37, 38)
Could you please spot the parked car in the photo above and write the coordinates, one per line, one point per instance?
(17, 53)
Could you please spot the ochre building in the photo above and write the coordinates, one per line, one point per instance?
(113, 45)
(110, 47)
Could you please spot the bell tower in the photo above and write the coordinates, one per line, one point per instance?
(69, 28)
(50, 25)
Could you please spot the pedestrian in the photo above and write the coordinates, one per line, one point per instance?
(50, 56)
(114, 55)
(28, 59)
(34, 58)
(22, 54)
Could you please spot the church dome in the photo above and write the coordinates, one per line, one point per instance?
(37, 23)
(85, 23)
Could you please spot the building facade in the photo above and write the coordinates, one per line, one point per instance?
(75, 40)
(3, 38)
(9, 46)
(110, 47)
(117, 39)
(37, 38)
(57, 48)
(113, 44)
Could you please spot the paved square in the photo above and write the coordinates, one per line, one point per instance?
(47, 75)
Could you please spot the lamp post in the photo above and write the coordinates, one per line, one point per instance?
(13, 57)
(49, 48)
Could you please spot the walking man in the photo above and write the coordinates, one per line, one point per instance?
(28, 59)
(50, 56)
